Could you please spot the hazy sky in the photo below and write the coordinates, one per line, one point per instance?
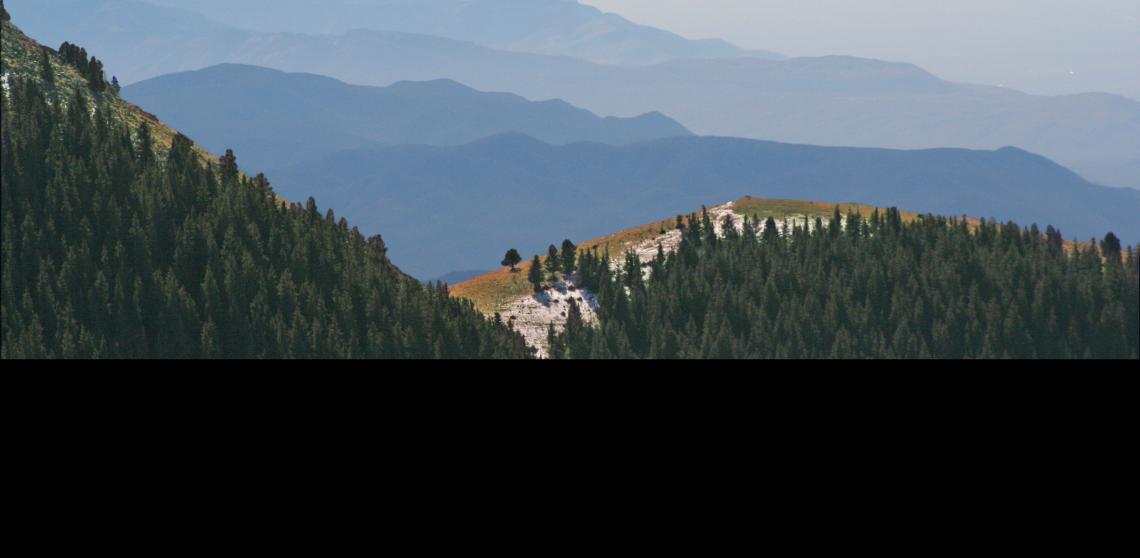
(1040, 46)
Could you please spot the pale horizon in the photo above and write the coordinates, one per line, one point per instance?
(1048, 47)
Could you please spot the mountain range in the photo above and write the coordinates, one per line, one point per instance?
(450, 208)
(274, 118)
(832, 100)
(555, 27)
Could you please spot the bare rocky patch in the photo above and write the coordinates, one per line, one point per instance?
(533, 314)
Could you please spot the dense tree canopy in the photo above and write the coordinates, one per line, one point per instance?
(873, 288)
(114, 246)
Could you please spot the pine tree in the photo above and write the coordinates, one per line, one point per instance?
(227, 166)
(1054, 242)
(554, 347)
(511, 259)
(535, 275)
(569, 256)
(1111, 248)
(728, 227)
(47, 73)
(854, 225)
(95, 78)
(553, 262)
(835, 226)
(145, 145)
(771, 233)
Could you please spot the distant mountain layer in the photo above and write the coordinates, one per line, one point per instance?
(271, 118)
(827, 101)
(556, 27)
(446, 208)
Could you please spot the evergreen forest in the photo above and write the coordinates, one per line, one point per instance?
(858, 287)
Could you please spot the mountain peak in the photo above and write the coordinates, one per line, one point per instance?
(434, 86)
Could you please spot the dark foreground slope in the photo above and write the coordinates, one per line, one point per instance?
(273, 118)
(116, 244)
(459, 208)
(863, 288)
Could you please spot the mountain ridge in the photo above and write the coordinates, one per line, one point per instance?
(274, 118)
(465, 204)
(553, 27)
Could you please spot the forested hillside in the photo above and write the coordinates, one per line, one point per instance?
(859, 287)
(118, 243)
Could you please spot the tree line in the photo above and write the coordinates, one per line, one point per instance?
(867, 288)
(90, 68)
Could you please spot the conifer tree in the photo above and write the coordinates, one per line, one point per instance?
(95, 78)
(1054, 242)
(569, 256)
(511, 259)
(1111, 248)
(553, 262)
(535, 274)
(227, 166)
(553, 343)
(144, 147)
(47, 73)
(854, 224)
(728, 226)
(771, 233)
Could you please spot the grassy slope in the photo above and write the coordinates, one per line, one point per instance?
(20, 57)
(491, 291)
